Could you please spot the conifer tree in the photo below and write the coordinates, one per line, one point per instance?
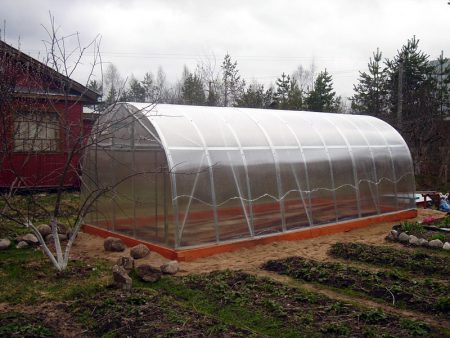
(322, 97)
(192, 90)
(255, 97)
(371, 94)
(232, 83)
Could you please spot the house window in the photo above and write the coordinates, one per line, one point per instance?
(36, 132)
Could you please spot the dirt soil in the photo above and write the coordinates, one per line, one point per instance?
(250, 259)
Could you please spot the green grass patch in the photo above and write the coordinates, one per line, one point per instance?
(26, 276)
(15, 324)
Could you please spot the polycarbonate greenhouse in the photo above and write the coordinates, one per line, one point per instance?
(187, 176)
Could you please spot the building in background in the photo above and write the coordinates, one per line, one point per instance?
(42, 125)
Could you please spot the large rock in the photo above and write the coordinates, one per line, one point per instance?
(113, 244)
(170, 268)
(121, 280)
(403, 237)
(44, 229)
(423, 242)
(29, 238)
(413, 240)
(446, 246)
(139, 251)
(126, 262)
(50, 238)
(21, 245)
(148, 273)
(4, 243)
(436, 243)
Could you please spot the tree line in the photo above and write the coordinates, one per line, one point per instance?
(302, 90)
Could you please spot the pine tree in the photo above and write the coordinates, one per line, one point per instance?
(288, 94)
(192, 91)
(371, 94)
(255, 97)
(419, 85)
(442, 75)
(322, 97)
(151, 92)
(136, 92)
(231, 81)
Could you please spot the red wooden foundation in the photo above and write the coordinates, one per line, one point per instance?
(209, 250)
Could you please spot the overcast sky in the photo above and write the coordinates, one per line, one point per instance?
(266, 37)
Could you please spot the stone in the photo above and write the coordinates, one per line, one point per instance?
(394, 234)
(44, 229)
(113, 244)
(423, 242)
(403, 237)
(29, 238)
(49, 238)
(413, 240)
(126, 262)
(121, 280)
(446, 246)
(170, 268)
(4, 243)
(436, 243)
(21, 245)
(139, 251)
(148, 273)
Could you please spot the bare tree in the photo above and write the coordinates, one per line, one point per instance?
(36, 118)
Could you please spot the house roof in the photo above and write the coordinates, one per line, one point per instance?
(76, 90)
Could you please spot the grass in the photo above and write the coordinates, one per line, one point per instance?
(27, 277)
(15, 324)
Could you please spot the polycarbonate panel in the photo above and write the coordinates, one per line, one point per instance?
(232, 173)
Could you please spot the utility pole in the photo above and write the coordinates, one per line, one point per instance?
(400, 93)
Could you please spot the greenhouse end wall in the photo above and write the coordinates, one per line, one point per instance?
(187, 176)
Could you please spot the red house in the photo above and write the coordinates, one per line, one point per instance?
(42, 127)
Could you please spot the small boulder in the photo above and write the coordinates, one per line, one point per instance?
(423, 242)
(446, 246)
(170, 268)
(29, 238)
(139, 251)
(44, 229)
(403, 237)
(113, 244)
(148, 273)
(394, 234)
(4, 243)
(436, 243)
(413, 240)
(21, 245)
(126, 262)
(121, 280)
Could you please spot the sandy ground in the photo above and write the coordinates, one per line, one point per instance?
(250, 259)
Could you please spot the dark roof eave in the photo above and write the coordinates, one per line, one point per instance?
(91, 95)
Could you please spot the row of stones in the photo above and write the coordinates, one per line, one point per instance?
(30, 239)
(403, 237)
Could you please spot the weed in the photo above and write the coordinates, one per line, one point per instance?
(441, 237)
(14, 324)
(415, 327)
(412, 227)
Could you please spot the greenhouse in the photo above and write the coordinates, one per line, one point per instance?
(183, 177)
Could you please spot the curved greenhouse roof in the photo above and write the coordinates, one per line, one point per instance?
(207, 175)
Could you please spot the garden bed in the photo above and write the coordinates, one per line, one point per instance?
(389, 286)
(275, 309)
(417, 263)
